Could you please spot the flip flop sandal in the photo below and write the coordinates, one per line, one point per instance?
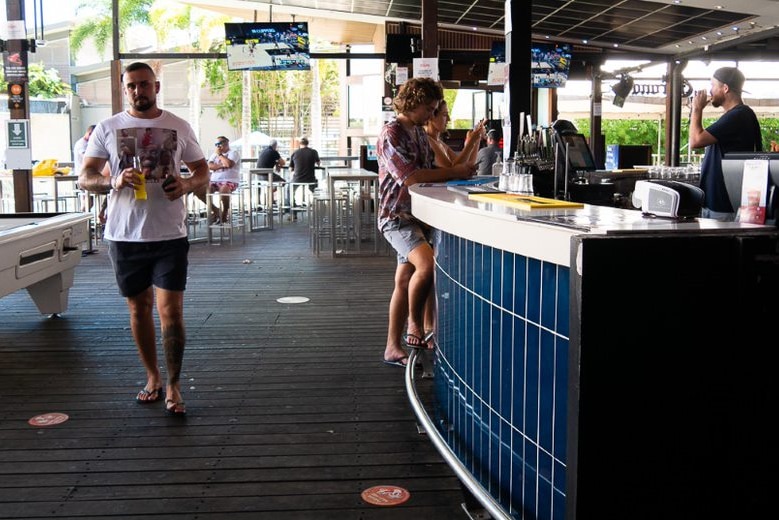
(414, 342)
(149, 396)
(176, 409)
(396, 362)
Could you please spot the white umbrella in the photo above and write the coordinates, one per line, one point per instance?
(257, 140)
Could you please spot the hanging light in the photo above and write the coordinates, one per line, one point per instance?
(622, 90)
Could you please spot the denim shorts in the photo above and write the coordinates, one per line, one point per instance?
(405, 236)
(139, 265)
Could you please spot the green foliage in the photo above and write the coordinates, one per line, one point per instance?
(644, 131)
(98, 27)
(624, 131)
(770, 130)
(42, 82)
(459, 124)
(275, 94)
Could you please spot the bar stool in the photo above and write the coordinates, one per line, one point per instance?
(329, 223)
(307, 196)
(236, 221)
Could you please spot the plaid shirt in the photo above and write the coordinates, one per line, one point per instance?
(400, 153)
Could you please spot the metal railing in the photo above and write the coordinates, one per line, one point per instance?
(465, 476)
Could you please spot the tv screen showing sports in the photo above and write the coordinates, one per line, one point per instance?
(267, 46)
(549, 64)
(498, 52)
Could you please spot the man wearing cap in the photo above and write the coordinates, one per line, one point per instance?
(486, 157)
(302, 164)
(225, 167)
(738, 130)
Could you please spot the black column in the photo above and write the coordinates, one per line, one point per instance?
(673, 112)
(518, 43)
(22, 178)
(429, 28)
(597, 140)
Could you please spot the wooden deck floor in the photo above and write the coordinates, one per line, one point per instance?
(291, 413)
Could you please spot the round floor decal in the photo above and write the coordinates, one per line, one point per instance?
(48, 419)
(385, 495)
(293, 299)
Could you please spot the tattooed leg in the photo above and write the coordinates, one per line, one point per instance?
(173, 343)
(170, 307)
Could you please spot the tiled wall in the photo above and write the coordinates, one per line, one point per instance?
(502, 372)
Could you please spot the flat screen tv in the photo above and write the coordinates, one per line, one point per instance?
(267, 46)
(496, 72)
(498, 52)
(549, 64)
(402, 48)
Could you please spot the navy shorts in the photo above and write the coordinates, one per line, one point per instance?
(405, 236)
(139, 265)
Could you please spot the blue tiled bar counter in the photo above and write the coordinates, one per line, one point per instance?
(596, 364)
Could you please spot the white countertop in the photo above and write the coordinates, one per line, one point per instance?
(544, 234)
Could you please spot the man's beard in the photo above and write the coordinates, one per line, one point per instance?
(715, 103)
(142, 104)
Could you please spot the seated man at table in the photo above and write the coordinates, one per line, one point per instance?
(271, 158)
(302, 164)
(225, 167)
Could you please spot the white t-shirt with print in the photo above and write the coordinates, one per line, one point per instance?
(159, 146)
(232, 174)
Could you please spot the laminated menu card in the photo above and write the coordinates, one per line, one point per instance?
(754, 188)
(527, 202)
(484, 184)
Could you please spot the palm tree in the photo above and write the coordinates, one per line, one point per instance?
(98, 27)
(167, 17)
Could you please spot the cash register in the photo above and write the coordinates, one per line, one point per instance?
(578, 178)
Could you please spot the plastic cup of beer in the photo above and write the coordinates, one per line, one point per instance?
(140, 190)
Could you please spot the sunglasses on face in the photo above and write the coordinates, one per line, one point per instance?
(219, 143)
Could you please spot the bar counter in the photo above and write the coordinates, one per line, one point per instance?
(613, 389)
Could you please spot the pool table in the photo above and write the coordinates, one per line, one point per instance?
(39, 252)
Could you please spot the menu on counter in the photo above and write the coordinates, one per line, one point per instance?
(754, 189)
(526, 202)
(484, 184)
